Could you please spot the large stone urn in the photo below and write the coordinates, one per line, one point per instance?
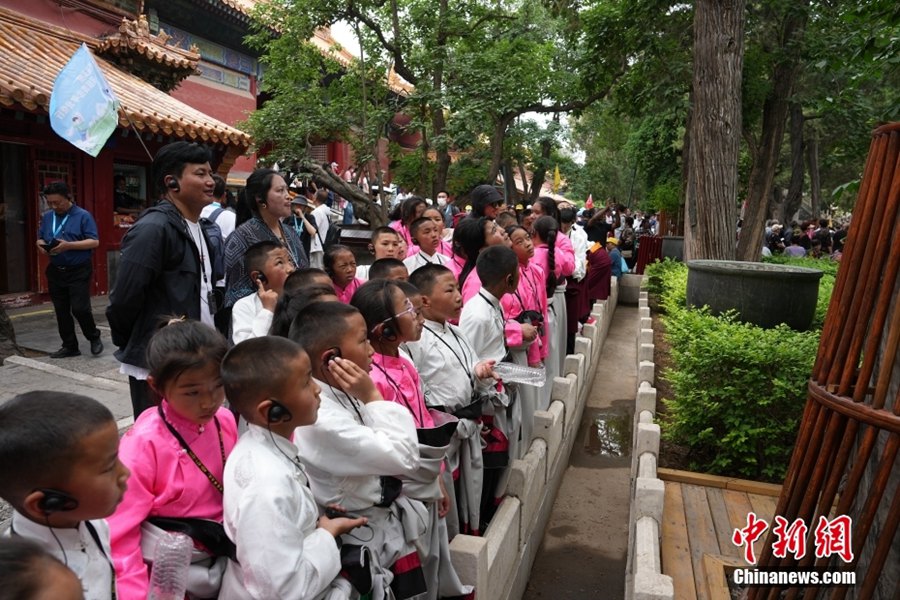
(763, 294)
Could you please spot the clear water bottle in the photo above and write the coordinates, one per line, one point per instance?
(171, 559)
(513, 373)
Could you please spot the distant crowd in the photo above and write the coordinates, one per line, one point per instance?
(317, 428)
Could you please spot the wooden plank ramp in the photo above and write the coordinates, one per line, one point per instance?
(701, 513)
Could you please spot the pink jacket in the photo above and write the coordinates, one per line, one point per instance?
(530, 295)
(164, 482)
(345, 294)
(398, 381)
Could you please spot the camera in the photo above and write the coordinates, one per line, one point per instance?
(533, 318)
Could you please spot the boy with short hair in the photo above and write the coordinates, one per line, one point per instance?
(483, 324)
(268, 264)
(454, 380)
(284, 549)
(60, 471)
(426, 235)
(385, 243)
(389, 268)
(361, 444)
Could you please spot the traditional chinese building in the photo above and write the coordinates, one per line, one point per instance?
(37, 38)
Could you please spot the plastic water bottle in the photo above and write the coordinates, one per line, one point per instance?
(513, 373)
(171, 559)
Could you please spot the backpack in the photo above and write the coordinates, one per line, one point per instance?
(332, 237)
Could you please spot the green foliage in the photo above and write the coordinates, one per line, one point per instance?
(412, 171)
(467, 172)
(665, 195)
(739, 390)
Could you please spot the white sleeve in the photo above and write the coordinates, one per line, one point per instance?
(477, 331)
(247, 322)
(276, 559)
(580, 246)
(339, 445)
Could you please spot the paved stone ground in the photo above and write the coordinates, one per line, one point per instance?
(584, 549)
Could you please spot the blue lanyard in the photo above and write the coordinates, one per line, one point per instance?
(56, 229)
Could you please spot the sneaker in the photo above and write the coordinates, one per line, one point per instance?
(96, 347)
(66, 352)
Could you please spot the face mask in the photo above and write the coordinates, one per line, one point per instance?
(442, 202)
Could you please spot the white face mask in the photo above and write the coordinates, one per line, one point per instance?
(442, 202)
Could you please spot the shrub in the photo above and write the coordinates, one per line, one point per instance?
(739, 390)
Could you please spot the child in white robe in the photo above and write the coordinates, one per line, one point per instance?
(453, 379)
(428, 240)
(482, 321)
(284, 548)
(268, 264)
(360, 446)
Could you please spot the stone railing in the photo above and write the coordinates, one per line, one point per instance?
(643, 574)
(499, 564)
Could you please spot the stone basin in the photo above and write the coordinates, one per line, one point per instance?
(764, 294)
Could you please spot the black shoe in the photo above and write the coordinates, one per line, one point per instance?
(66, 352)
(96, 347)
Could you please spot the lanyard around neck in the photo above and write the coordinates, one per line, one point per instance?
(56, 230)
(212, 478)
(455, 355)
(418, 417)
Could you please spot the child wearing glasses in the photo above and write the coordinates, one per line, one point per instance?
(393, 315)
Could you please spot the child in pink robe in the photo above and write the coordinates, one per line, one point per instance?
(340, 265)
(176, 452)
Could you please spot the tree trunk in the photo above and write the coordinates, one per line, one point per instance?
(363, 207)
(812, 163)
(8, 345)
(765, 155)
(540, 175)
(438, 124)
(795, 188)
(497, 139)
(712, 172)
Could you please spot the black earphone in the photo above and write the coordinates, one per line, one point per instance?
(172, 184)
(278, 412)
(329, 355)
(261, 277)
(55, 501)
(386, 330)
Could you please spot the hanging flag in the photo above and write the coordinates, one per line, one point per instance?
(590, 202)
(83, 109)
(557, 180)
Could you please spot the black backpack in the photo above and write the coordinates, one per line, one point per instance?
(332, 237)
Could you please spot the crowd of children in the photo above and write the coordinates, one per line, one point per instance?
(353, 428)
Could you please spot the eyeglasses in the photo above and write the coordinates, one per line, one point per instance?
(409, 308)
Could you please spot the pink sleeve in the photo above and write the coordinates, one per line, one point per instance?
(512, 328)
(132, 577)
(513, 331)
(564, 254)
(471, 286)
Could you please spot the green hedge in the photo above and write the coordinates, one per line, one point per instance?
(739, 390)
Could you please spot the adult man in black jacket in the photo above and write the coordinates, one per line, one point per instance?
(170, 261)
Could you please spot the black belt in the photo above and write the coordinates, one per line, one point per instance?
(70, 267)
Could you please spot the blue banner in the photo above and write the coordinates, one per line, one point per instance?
(83, 109)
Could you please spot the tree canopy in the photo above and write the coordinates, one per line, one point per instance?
(817, 77)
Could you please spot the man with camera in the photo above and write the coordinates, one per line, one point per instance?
(67, 235)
